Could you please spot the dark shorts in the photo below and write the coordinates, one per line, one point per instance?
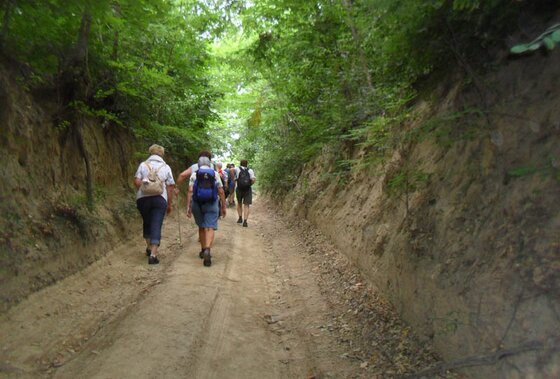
(244, 196)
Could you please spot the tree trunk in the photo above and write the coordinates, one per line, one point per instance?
(357, 41)
(81, 48)
(79, 72)
(115, 53)
(82, 52)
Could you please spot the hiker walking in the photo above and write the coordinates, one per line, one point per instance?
(154, 182)
(186, 175)
(222, 173)
(206, 201)
(225, 179)
(244, 178)
(231, 184)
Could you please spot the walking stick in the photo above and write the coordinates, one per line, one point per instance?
(179, 218)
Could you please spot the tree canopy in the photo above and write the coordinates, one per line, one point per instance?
(146, 65)
(271, 81)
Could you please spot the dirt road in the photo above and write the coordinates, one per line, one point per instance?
(260, 311)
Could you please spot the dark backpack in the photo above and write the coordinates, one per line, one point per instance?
(244, 179)
(205, 189)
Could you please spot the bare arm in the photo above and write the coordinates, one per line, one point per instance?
(222, 195)
(185, 175)
(189, 197)
(169, 197)
(137, 183)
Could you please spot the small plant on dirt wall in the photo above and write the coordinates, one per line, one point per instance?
(405, 182)
(450, 127)
(551, 169)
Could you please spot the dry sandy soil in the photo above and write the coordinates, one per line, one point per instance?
(278, 302)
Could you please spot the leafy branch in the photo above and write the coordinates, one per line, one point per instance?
(406, 181)
(548, 39)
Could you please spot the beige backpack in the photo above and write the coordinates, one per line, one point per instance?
(152, 184)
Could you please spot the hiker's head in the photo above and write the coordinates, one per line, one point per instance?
(156, 150)
(219, 165)
(243, 163)
(204, 161)
(205, 153)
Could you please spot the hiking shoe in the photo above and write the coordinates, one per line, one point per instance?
(201, 254)
(153, 260)
(245, 224)
(207, 258)
(148, 252)
(240, 220)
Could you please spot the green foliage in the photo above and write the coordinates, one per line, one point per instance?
(522, 171)
(63, 125)
(86, 110)
(406, 181)
(378, 136)
(548, 39)
(271, 81)
(446, 129)
(345, 72)
(146, 66)
(548, 170)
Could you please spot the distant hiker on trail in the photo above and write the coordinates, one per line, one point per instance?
(231, 184)
(223, 177)
(222, 174)
(154, 181)
(244, 178)
(206, 201)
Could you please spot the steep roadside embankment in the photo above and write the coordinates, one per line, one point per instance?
(45, 223)
(474, 262)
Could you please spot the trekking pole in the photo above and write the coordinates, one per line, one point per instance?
(179, 219)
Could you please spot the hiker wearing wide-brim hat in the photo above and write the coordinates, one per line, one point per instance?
(154, 181)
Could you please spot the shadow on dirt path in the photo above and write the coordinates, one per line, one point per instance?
(258, 312)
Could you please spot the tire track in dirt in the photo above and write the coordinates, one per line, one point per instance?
(53, 325)
(257, 312)
(301, 311)
(211, 338)
(236, 342)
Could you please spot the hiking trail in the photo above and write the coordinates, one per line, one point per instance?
(264, 309)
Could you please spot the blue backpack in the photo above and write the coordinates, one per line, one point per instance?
(205, 189)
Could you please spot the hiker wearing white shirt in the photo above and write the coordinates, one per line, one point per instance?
(154, 182)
